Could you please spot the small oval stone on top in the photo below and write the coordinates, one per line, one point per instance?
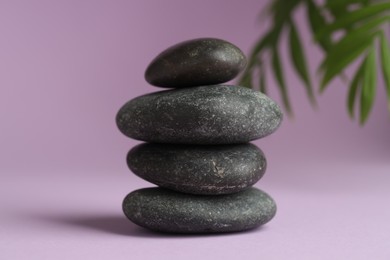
(198, 62)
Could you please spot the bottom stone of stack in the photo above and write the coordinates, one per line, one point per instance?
(164, 210)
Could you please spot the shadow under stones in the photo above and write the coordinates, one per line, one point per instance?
(120, 225)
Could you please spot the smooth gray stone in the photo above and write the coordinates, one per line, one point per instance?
(197, 62)
(168, 211)
(198, 169)
(218, 114)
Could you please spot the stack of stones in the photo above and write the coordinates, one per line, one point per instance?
(198, 149)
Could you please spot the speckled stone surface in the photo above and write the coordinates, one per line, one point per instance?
(169, 211)
(218, 114)
(197, 62)
(198, 169)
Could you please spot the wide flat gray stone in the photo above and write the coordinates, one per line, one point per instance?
(168, 211)
(197, 62)
(198, 169)
(218, 114)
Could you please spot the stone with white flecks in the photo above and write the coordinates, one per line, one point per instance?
(198, 169)
(197, 62)
(168, 211)
(219, 114)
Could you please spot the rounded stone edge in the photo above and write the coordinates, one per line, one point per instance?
(241, 66)
(271, 215)
(201, 191)
(123, 125)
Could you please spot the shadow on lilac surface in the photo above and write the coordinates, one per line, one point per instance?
(119, 225)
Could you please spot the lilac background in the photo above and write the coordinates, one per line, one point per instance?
(65, 69)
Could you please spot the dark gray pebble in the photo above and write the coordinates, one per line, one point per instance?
(218, 114)
(168, 211)
(198, 62)
(198, 169)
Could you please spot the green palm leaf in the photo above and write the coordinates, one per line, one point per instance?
(281, 12)
(360, 21)
(278, 73)
(246, 80)
(354, 88)
(353, 17)
(263, 87)
(342, 3)
(344, 52)
(299, 61)
(317, 21)
(369, 86)
(365, 31)
(385, 58)
(265, 41)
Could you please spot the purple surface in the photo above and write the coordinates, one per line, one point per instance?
(66, 68)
